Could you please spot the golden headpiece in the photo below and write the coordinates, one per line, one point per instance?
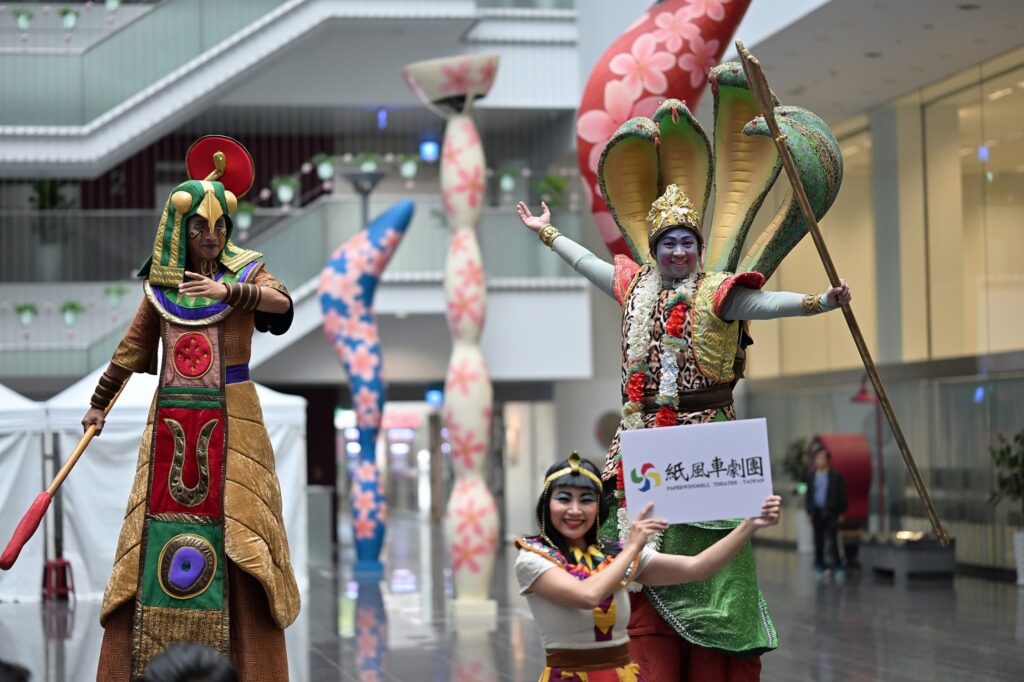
(673, 209)
(574, 468)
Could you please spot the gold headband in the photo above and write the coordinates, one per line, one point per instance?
(573, 468)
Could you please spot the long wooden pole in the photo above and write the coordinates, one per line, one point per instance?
(30, 521)
(762, 93)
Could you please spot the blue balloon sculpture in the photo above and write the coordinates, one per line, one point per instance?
(347, 285)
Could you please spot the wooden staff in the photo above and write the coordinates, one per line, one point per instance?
(762, 93)
(30, 521)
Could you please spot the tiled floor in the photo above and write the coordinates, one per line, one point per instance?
(399, 628)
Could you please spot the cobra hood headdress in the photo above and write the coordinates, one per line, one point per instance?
(656, 173)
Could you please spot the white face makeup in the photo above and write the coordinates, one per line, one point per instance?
(574, 512)
(677, 253)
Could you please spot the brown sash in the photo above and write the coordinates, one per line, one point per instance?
(710, 398)
(589, 659)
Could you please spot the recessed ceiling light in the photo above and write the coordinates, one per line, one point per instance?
(872, 54)
(999, 94)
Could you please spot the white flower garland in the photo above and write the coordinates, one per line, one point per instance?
(638, 343)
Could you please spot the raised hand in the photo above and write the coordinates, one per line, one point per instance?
(840, 295)
(643, 527)
(535, 223)
(770, 511)
(199, 285)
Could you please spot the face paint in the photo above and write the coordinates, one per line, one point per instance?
(204, 243)
(677, 253)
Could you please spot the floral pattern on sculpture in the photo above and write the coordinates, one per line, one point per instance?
(667, 52)
(347, 286)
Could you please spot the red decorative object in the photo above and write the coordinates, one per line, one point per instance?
(674, 326)
(193, 355)
(191, 421)
(666, 416)
(620, 479)
(240, 171)
(58, 580)
(635, 387)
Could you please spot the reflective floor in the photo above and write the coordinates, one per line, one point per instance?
(399, 628)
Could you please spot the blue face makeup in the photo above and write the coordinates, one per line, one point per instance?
(677, 253)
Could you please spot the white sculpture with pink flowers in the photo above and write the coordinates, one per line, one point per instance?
(449, 86)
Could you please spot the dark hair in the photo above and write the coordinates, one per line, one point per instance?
(576, 481)
(190, 662)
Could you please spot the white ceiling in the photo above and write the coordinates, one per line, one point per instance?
(848, 56)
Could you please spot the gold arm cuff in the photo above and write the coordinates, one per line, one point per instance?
(812, 304)
(548, 234)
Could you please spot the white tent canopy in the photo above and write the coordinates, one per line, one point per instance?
(96, 492)
(22, 423)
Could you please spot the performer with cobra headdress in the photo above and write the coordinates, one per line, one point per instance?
(685, 303)
(581, 609)
(202, 554)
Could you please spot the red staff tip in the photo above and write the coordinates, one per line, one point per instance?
(26, 528)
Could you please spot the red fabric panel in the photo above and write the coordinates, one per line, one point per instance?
(750, 280)
(625, 270)
(192, 421)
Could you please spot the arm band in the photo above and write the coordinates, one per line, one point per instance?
(242, 295)
(106, 390)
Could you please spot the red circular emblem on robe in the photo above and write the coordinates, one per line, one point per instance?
(193, 355)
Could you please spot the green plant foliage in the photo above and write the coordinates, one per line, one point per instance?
(552, 188)
(1008, 460)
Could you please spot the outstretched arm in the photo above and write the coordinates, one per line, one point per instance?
(671, 569)
(750, 304)
(600, 272)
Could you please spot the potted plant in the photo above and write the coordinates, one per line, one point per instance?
(70, 310)
(23, 19)
(1008, 460)
(243, 218)
(26, 312)
(114, 293)
(286, 188)
(324, 166)
(794, 466)
(367, 163)
(551, 189)
(68, 18)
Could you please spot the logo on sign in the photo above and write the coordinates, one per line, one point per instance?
(647, 474)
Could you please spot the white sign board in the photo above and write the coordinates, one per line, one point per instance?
(699, 472)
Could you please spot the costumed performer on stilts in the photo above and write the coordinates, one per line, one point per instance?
(575, 584)
(202, 554)
(683, 334)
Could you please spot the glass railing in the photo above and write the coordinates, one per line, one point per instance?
(526, 4)
(73, 88)
(83, 246)
(297, 248)
(98, 246)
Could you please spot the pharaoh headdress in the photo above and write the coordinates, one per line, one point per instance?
(667, 164)
(221, 171)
